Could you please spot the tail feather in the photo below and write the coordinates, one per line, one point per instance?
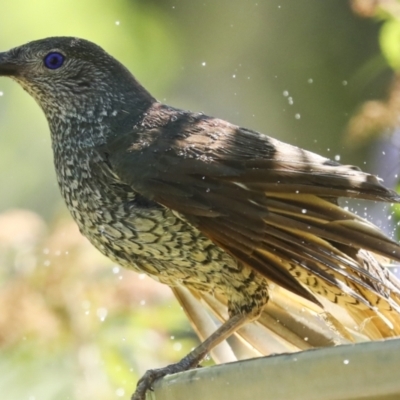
(202, 322)
(280, 339)
(287, 324)
(327, 285)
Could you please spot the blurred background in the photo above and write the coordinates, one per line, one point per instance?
(320, 75)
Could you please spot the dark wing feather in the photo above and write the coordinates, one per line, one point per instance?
(271, 205)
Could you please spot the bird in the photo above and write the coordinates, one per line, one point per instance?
(231, 219)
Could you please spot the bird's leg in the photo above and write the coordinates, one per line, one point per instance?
(193, 359)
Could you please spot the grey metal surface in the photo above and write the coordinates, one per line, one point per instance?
(365, 371)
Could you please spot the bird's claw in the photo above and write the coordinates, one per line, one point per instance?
(146, 381)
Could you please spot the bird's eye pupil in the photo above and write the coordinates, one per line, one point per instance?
(54, 60)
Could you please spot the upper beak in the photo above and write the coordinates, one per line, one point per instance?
(7, 68)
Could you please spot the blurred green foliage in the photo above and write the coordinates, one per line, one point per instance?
(73, 326)
(389, 40)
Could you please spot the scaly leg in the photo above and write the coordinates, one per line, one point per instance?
(193, 359)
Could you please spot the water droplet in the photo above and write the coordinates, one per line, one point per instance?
(177, 346)
(304, 211)
(117, 23)
(337, 157)
(344, 83)
(345, 362)
(203, 63)
(120, 392)
(285, 93)
(1, 94)
(310, 80)
(115, 270)
(297, 116)
(102, 313)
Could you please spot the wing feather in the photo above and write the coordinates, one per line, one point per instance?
(271, 205)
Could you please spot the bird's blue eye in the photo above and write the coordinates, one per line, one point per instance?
(54, 60)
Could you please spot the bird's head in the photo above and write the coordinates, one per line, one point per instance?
(69, 76)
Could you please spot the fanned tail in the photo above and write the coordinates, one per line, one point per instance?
(287, 324)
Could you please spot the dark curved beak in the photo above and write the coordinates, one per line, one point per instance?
(7, 68)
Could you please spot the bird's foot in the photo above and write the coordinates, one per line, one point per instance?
(146, 381)
(192, 360)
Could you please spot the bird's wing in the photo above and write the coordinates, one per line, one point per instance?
(269, 204)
